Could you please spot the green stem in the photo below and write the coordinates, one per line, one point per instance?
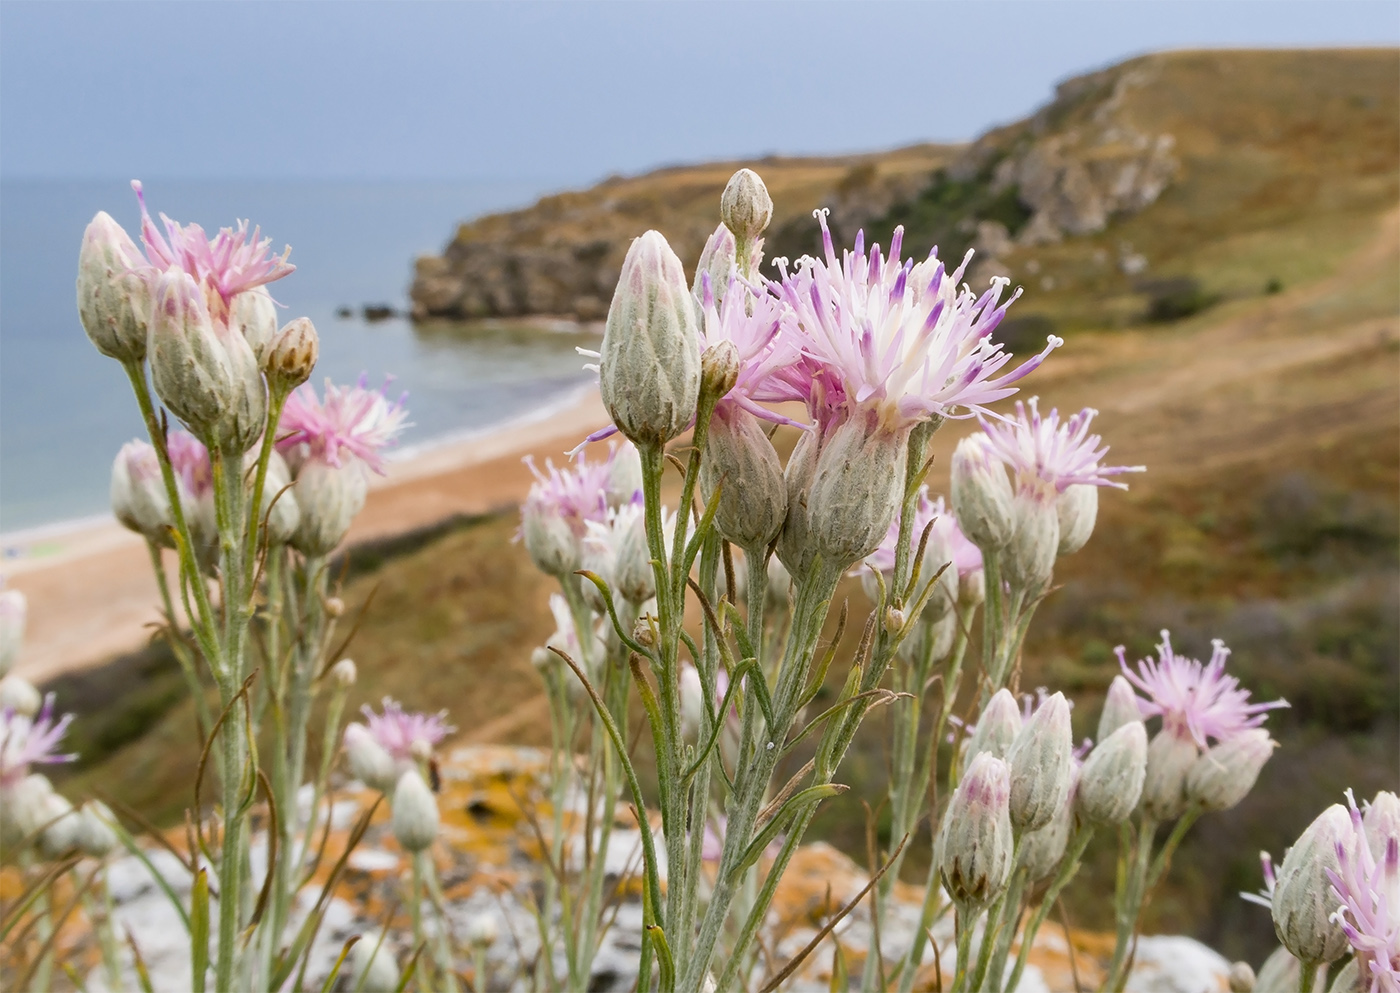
(1130, 906)
(1307, 976)
(1069, 866)
(964, 923)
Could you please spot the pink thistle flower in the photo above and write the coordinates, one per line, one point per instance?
(1048, 457)
(1368, 891)
(28, 741)
(966, 557)
(352, 420)
(396, 731)
(1195, 701)
(753, 320)
(906, 343)
(577, 494)
(190, 461)
(224, 266)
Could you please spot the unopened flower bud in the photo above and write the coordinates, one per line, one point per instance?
(972, 589)
(1169, 758)
(253, 315)
(997, 727)
(635, 580)
(292, 354)
(1381, 822)
(745, 205)
(328, 498)
(1035, 536)
(1077, 508)
(114, 292)
(624, 479)
(1110, 784)
(343, 673)
(367, 760)
(421, 749)
(415, 812)
(717, 261)
(934, 637)
(893, 619)
(60, 836)
(855, 493)
(981, 494)
(22, 808)
(482, 931)
(1302, 899)
(974, 840)
(95, 835)
(335, 606)
(644, 633)
(372, 969)
(649, 369)
(1224, 774)
(739, 460)
(20, 696)
(205, 372)
(794, 549)
(1043, 848)
(1119, 707)
(719, 368)
(1040, 760)
(692, 701)
(139, 499)
(13, 610)
(1241, 978)
(549, 540)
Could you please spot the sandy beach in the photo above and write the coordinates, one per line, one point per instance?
(92, 594)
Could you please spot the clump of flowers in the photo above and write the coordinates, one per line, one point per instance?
(351, 422)
(1367, 889)
(27, 741)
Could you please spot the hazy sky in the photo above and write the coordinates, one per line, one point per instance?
(565, 92)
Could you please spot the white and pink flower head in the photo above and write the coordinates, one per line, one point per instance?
(906, 343)
(26, 741)
(752, 319)
(397, 731)
(189, 460)
(231, 262)
(1196, 702)
(1047, 456)
(577, 494)
(966, 557)
(1368, 891)
(352, 423)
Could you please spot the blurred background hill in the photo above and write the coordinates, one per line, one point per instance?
(1216, 234)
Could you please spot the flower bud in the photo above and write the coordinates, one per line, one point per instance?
(206, 374)
(367, 760)
(893, 620)
(1119, 707)
(635, 580)
(253, 315)
(482, 931)
(740, 461)
(95, 835)
(114, 294)
(1035, 536)
(717, 262)
(1040, 760)
(1043, 848)
(1077, 508)
(139, 498)
(745, 205)
(60, 836)
(624, 479)
(343, 673)
(1381, 822)
(649, 369)
(1241, 978)
(13, 608)
(20, 696)
(420, 749)
(997, 727)
(1110, 784)
(692, 701)
(415, 812)
(327, 498)
(1223, 775)
(334, 606)
(279, 505)
(1169, 759)
(981, 494)
(719, 368)
(972, 589)
(372, 969)
(974, 840)
(292, 355)
(1302, 898)
(549, 540)
(794, 547)
(854, 494)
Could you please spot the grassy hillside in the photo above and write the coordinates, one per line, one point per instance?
(1264, 396)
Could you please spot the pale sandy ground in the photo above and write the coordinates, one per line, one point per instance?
(92, 594)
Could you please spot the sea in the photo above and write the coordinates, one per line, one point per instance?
(65, 409)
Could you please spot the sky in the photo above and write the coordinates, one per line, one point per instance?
(566, 92)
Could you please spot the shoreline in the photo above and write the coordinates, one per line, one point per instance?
(91, 592)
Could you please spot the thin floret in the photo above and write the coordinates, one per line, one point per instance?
(352, 421)
(26, 741)
(396, 730)
(1368, 894)
(1047, 456)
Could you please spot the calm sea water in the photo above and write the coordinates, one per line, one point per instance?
(65, 409)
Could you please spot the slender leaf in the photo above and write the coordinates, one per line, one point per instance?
(199, 930)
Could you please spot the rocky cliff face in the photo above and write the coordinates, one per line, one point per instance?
(1081, 160)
